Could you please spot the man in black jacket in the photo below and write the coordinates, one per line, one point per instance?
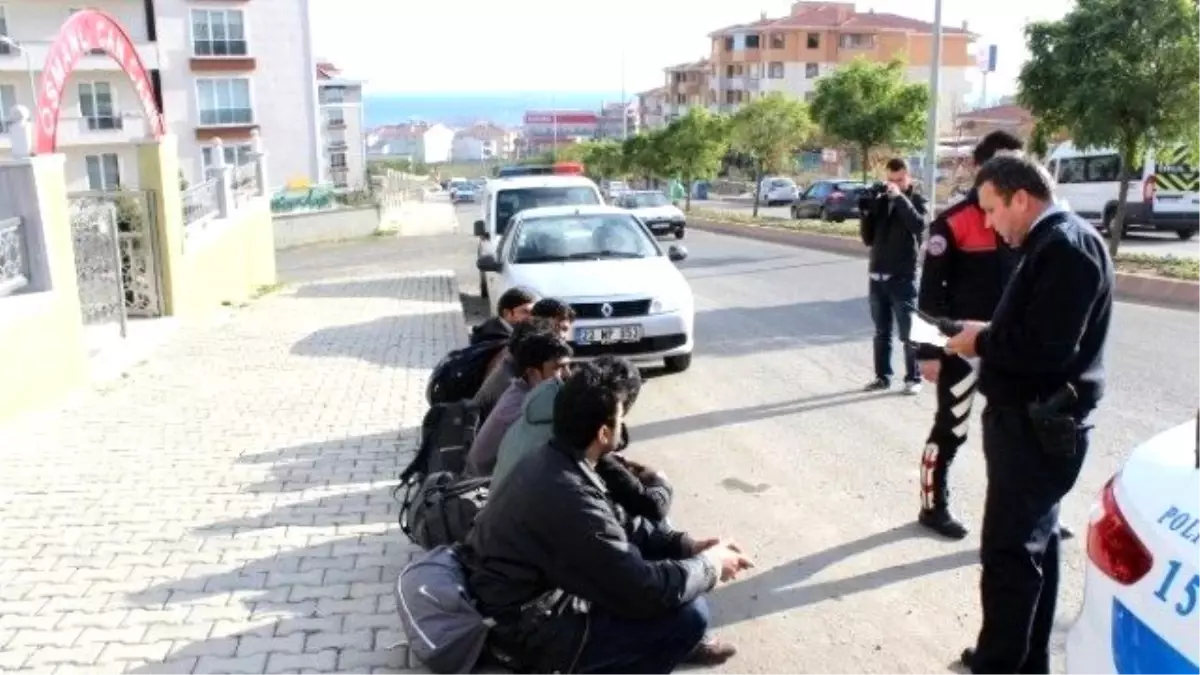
(514, 306)
(893, 223)
(551, 561)
(967, 266)
(1042, 372)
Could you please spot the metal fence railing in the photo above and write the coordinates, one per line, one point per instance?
(14, 257)
(201, 202)
(245, 182)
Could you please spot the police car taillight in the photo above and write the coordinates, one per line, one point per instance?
(1113, 546)
(1148, 188)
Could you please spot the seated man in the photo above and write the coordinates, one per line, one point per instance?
(502, 372)
(514, 306)
(539, 356)
(570, 589)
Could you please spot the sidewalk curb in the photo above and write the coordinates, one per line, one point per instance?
(1138, 288)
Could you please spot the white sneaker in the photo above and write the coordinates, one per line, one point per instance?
(912, 388)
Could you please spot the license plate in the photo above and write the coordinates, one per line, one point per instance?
(607, 335)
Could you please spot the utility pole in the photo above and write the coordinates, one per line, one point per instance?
(624, 98)
(935, 81)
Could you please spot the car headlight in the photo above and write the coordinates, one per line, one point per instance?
(665, 304)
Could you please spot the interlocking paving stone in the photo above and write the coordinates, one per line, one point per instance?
(225, 507)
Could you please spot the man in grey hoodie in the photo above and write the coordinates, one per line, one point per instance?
(538, 356)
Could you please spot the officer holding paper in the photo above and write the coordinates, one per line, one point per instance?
(1042, 372)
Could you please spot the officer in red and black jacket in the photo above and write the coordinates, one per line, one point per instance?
(967, 266)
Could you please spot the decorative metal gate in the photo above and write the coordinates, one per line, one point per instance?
(138, 241)
(98, 266)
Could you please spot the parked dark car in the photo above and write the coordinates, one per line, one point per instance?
(834, 200)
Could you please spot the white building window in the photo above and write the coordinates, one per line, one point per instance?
(8, 99)
(225, 101)
(103, 171)
(337, 160)
(811, 70)
(97, 106)
(5, 48)
(219, 32)
(235, 155)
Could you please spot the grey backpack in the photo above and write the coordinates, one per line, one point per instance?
(445, 631)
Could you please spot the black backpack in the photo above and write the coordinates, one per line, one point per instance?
(461, 373)
(447, 433)
(444, 509)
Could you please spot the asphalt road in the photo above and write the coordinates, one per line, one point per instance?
(1151, 243)
(768, 440)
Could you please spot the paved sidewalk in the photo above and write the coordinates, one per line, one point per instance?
(226, 507)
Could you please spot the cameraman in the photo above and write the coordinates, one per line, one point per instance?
(893, 222)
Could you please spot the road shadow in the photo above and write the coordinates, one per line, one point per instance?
(717, 418)
(403, 341)
(324, 607)
(475, 308)
(412, 286)
(780, 589)
(341, 461)
(365, 507)
(762, 269)
(722, 261)
(738, 331)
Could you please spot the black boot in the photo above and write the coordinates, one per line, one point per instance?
(942, 522)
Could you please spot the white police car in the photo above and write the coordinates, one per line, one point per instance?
(1141, 606)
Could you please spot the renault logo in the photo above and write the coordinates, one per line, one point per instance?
(606, 309)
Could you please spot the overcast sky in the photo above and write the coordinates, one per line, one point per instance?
(442, 46)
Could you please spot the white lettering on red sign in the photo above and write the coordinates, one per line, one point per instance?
(83, 32)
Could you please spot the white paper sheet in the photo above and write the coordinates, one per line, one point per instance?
(925, 333)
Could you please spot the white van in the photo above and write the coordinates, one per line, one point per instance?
(1164, 195)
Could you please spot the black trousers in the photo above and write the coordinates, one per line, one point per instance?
(955, 393)
(1020, 547)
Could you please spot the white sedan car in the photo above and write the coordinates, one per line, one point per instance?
(776, 191)
(656, 211)
(1141, 589)
(628, 296)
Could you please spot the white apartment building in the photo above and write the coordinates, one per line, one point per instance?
(343, 143)
(483, 141)
(220, 69)
(418, 142)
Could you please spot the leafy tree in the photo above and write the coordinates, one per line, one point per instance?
(871, 105)
(693, 147)
(603, 159)
(1117, 73)
(641, 155)
(769, 130)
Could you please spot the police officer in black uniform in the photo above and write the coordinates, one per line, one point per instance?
(966, 268)
(1042, 372)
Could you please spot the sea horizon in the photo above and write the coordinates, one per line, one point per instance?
(465, 108)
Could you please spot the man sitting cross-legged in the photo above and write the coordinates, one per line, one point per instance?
(570, 589)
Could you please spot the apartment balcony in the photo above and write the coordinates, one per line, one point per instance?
(337, 146)
(14, 61)
(335, 125)
(78, 132)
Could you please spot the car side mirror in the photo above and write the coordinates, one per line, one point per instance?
(677, 253)
(481, 229)
(488, 263)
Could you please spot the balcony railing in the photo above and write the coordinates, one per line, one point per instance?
(335, 125)
(13, 61)
(338, 146)
(201, 202)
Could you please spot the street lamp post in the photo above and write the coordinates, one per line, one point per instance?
(4, 39)
(935, 81)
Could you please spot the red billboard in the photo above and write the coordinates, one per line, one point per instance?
(560, 117)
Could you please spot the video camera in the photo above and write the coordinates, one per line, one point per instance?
(871, 194)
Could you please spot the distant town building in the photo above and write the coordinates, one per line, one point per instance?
(483, 141)
(1008, 117)
(616, 121)
(688, 84)
(542, 130)
(651, 108)
(343, 143)
(416, 141)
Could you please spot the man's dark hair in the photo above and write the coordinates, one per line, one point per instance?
(995, 142)
(537, 348)
(588, 400)
(524, 329)
(1010, 173)
(514, 298)
(553, 308)
(896, 164)
(625, 372)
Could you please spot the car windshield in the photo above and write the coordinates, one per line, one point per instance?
(645, 199)
(581, 237)
(849, 187)
(781, 183)
(511, 202)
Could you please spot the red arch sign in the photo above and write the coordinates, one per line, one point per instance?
(84, 31)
